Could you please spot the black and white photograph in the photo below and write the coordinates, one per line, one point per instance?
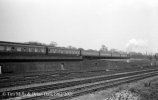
(78, 50)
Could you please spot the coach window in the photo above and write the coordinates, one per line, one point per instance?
(42, 50)
(67, 52)
(2, 48)
(36, 50)
(64, 51)
(52, 50)
(12, 48)
(60, 51)
(8, 48)
(30, 49)
(18, 49)
(24, 49)
(39, 50)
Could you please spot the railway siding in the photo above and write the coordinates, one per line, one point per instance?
(71, 80)
(87, 83)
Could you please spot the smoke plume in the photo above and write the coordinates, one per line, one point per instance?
(137, 45)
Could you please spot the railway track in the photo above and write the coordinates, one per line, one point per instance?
(70, 88)
(10, 81)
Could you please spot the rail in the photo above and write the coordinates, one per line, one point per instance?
(75, 87)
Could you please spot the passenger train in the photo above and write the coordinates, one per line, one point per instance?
(11, 48)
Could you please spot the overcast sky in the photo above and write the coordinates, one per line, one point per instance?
(119, 24)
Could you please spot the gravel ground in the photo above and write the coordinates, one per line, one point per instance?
(146, 89)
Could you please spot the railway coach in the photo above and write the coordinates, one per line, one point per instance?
(88, 53)
(116, 54)
(124, 55)
(10, 48)
(62, 51)
(105, 54)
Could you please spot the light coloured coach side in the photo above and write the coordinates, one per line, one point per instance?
(64, 51)
(124, 55)
(105, 54)
(89, 53)
(115, 54)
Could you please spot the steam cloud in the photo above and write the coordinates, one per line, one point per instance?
(137, 45)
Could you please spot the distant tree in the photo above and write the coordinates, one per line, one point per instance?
(103, 48)
(80, 49)
(35, 43)
(71, 47)
(91, 50)
(122, 52)
(156, 56)
(132, 53)
(139, 55)
(53, 44)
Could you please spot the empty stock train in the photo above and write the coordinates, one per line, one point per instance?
(12, 48)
